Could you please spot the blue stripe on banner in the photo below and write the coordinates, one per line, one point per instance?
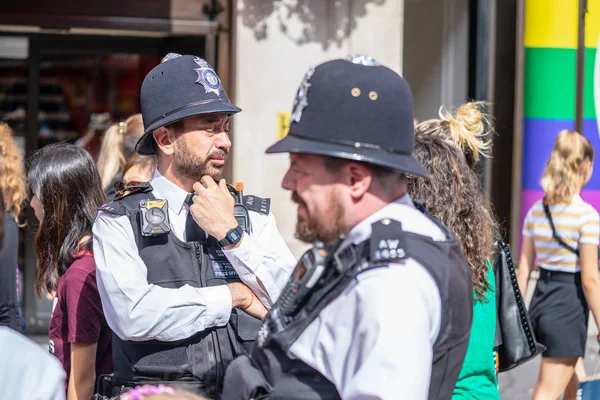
(538, 142)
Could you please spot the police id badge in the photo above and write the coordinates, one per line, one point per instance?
(222, 268)
(155, 217)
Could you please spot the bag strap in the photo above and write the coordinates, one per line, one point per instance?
(554, 234)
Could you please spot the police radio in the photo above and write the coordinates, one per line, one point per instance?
(240, 211)
(155, 217)
(309, 269)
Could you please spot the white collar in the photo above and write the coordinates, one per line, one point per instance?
(362, 231)
(167, 190)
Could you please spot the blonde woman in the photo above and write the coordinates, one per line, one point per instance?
(118, 145)
(14, 186)
(568, 282)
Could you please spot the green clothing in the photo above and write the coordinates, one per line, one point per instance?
(477, 379)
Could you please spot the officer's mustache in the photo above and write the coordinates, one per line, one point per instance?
(296, 199)
(224, 154)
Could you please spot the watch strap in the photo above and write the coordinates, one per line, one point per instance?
(232, 237)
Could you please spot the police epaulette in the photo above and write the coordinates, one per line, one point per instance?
(141, 188)
(257, 204)
(114, 208)
(387, 241)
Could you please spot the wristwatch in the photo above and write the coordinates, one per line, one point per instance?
(232, 237)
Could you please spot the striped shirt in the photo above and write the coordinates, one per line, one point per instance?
(576, 223)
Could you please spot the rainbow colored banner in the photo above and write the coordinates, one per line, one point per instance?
(549, 92)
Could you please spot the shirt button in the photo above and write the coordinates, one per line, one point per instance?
(246, 257)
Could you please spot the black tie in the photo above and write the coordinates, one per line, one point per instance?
(193, 232)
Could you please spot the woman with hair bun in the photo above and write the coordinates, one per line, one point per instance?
(118, 145)
(450, 148)
(568, 286)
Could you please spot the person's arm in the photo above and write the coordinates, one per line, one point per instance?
(137, 310)
(262, 260)
(527, 253)
(84, 324)
(588, 259)
(83, 371)
(525, 263)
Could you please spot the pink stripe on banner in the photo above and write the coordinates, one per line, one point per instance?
(592, 197)
(528, 199)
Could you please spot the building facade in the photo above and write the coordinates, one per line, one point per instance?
(62, 63)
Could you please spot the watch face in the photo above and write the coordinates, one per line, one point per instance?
(233, 236)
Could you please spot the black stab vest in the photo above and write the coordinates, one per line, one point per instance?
(272, 372)
(172, 263)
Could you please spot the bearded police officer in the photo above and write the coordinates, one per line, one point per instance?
(384, 310)
(185, 262)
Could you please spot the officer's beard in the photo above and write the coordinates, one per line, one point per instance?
(325, 228)
(193, 167)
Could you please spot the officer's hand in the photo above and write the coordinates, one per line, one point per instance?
(213, 207)
(256, 308)
(243, 297)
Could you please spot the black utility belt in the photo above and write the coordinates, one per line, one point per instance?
(109, 387)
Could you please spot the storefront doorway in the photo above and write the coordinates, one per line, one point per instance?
(53, 86)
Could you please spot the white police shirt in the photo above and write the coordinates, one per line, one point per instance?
(137, 310)
(375, 341)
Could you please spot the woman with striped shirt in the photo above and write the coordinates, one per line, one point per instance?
(569, 281)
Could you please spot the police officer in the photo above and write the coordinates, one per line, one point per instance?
(382, 307)
(186, 263)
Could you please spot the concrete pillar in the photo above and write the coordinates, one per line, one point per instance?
(276, 43)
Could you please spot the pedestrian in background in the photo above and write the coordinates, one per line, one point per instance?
(563, 232)
(137, 170)
(118, 145)
(450, 148)
(66, 196)
(13, 185)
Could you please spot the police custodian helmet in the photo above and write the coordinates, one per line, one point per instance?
(181, 86)
(354, 109)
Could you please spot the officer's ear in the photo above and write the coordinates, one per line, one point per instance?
(359, 179)
(164, 140)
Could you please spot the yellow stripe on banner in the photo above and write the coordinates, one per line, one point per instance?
(551, 23)
(592, 24)
(556, 214)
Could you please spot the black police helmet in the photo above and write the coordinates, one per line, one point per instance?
(179, 87)
(354, 109)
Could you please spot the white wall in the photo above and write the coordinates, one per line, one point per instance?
(276, 43)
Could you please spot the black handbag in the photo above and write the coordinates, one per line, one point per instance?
(517, 343)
